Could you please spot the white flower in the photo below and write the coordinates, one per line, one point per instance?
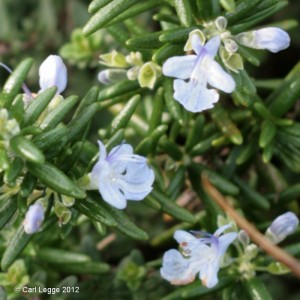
(282, 226)
(270, 38)
(121, 176)
(53, 72)
(34, 218)
(201, 70)
(200, 255)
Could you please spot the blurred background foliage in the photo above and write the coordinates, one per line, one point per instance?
(30, 28)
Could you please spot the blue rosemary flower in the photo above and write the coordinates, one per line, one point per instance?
(201, 69)
(121, 176)
(199, 255)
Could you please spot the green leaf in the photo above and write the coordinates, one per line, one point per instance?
(56, 180)
(89, 98)
(167, 51)
(256, 289)
(7, 210)
(134, 10)
(57, 115)
(204, 145)
(177, 182)
(173, 106)
(195, 132)
(50, 138)
(184, 12)
(177, 35)
(38, 105)
(258, 17)
(105, 14)
(290, 193)
(95, 211)
(171, 148)
(57, 256)
(287, 94)
(255, 198)
(88, 268)
(124, 116)
(145, 41)
(14, 171)
(14, 82)
(28, 184)
(79, 123)
(15, 247)
(171, 208)
(96, 5)
(226, 125)
(267, 134)
(26, 149)
(118, 89)
(195, 289)
(157, 110)
(242, 10)
(205, 9)
(148, 144)
(125, 225)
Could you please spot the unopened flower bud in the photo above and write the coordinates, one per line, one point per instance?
(111, 75)
(53, 72)
(282, 226)
(270, 38)
(34, 218)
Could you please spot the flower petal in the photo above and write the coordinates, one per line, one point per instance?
(218, 78)
(220, 230)
(272, 39)
(194, 97)
(209, 273)
(187, 242)
(102, 150)
(112, 195)
(212, 46)
(179, 66)
(53, 72)
(176, 269)
(107, 185)
(197, 45)
(225, 240)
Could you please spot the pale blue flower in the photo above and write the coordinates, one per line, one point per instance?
(33, 218)
(282, 226)
(121, 176)
(199, 255)
(53, 72)
(201, 70)
(271, 38)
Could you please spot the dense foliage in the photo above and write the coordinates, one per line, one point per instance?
(241, 154)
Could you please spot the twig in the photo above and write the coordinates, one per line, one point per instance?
(291, 262)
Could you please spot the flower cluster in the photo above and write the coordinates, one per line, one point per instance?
(121, 175)
(200, 255)
(201, 70)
